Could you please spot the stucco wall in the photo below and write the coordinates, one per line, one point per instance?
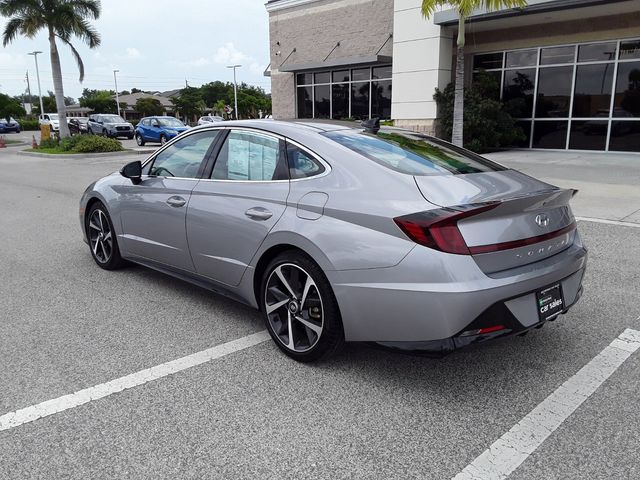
(313, 29)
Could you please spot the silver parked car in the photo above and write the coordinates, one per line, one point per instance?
(209, 119)
(345, 234)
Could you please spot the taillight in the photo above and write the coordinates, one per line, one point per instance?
(438, 229)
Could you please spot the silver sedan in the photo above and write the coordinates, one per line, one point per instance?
(345, 234)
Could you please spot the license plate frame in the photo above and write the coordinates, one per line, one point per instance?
(549, 301)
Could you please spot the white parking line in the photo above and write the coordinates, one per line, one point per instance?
(609, 222)
(513, 448)
(60, 404)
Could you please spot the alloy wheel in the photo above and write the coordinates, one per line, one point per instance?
(100, 236)
(294, 307)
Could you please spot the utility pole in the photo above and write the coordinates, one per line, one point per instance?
(115, 80)
(235, 88)
(35, 56)
(29, 89)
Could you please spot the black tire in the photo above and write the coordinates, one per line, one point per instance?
(108, 260)
(331, 338)
(163, 139)
(130, 137)
(104, 133)
(139, 140)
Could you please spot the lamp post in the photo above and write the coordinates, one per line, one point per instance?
(235, 88)
(35, 56)
(115, 80)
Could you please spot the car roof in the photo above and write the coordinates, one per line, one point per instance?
(285, 128)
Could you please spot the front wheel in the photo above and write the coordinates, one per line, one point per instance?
(139, 140)
(300, 310)
(102, 238)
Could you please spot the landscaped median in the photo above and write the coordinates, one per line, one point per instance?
(84, 145)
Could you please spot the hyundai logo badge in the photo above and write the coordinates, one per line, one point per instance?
(542, 220)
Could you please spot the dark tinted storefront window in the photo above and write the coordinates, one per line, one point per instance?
(592, 96)
(518, 91)
(521, 58)
(323, 77)
(360, 100)
(588, 134)
(596, 52)
(627, 102)
(381, 99)
(488, 61)
(630, 49)
(550, 134)
(360, 74)
(305, 103)
(322, 101)
(304, 79)
(553, 55)
(554, 91)
(525, 126)
(489, 82)
(340, 99)
(341, 76)
(381, 72)
(625, 136)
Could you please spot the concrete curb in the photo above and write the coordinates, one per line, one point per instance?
(86, 155)
(20, 144)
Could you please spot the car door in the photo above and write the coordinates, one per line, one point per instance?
(153, 211)
(232, 211)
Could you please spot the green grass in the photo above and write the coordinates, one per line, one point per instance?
(11, 142)
(52, 151)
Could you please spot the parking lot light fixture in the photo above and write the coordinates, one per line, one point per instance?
(115, 80)
(235, 88)
(35, 56)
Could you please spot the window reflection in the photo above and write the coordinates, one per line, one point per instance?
(588, 135)
(592, 95)
(518, 92)
(381, 99)
(550, 134)
(554, 91)
(627, 99)
(305, 104)
(340, 100)
(360, 100)
(322, 101)
(625, 136)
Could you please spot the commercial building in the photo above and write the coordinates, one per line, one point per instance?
(568, 69)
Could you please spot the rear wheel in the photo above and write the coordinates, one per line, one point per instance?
(300, 309)
(139, 140)
(102, 238)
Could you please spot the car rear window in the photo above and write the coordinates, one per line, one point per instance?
(413, 153)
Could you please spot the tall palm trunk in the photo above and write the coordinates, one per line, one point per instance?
(457, 136)
(57, 86)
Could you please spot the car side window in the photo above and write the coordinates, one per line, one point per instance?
(250, 156)
(183, 158)
(301, 163)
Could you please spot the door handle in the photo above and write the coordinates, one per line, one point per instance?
(258, 213)
(176, 201)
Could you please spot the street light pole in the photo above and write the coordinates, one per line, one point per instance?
(235, 87)
(35, 56)
(115, 80)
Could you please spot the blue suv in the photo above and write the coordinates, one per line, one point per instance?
(158, 129)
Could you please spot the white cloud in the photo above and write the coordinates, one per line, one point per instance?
(133, 53)
(257, 68)
(7, 60)
(230, 54)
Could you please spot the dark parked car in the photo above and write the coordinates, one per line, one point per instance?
(78, 125)
(10, 125)
(110, 126)
(158, 129)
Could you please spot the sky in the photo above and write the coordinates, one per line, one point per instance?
(155, 45)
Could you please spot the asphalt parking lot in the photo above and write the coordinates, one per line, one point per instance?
(254, 413)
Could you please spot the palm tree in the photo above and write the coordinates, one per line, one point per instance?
(464, 8)
(62, 19)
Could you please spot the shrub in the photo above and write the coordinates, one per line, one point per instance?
(49, 143)
(96, 144)
(134, 122)
(487, 124)
(27, 124)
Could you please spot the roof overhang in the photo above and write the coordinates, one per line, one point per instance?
(447, 18)
(338, 62)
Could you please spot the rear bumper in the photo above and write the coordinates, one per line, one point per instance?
(433, 297)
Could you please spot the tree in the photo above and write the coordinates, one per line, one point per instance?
(99, 101)
(149, 106)
(464, 8)
(9, 107)
(62, 19)
(189, 102)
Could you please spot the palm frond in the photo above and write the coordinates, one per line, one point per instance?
(86, 8)
(9, 8)
(429, 7)
(466, 7)
(11, 31)
(76, 56)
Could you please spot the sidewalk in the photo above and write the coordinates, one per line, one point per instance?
(608, 183)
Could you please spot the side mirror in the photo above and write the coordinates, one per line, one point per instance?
(133, 171)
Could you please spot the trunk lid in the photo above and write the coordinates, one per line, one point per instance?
(532, 221)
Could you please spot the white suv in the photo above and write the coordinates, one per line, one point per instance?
(50, 119)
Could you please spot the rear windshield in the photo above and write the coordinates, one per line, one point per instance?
(413, 153)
